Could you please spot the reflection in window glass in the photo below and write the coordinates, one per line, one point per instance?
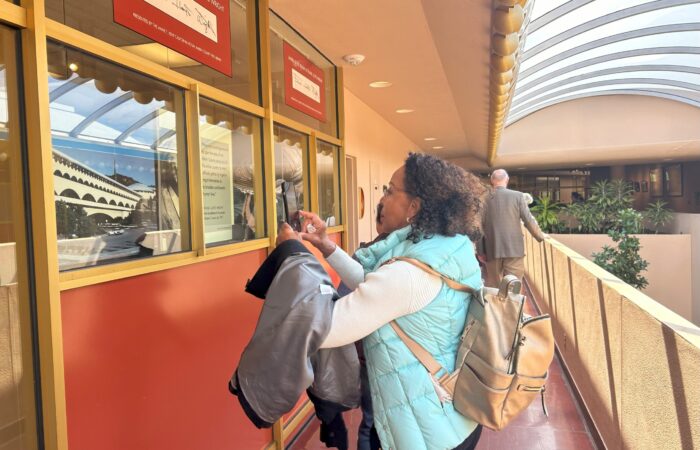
(282, 33)
(17, 425)
(328, 171)
(233, 210)
(98, 21)
(119, 162)
(290, 163)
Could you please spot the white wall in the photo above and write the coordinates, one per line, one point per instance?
(376, 143)
(690, 224)
(669, 272)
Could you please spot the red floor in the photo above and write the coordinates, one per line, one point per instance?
(564, 429)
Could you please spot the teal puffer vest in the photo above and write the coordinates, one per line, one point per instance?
(407, 412)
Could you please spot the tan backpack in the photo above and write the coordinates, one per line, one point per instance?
(502, 360)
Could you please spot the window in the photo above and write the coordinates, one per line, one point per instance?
(282, 38)
(98, 20)
(229, 139)
(328, 172)
(291, 148)
(120, 178)
(16, 373)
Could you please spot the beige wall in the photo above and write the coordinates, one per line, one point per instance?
(690, 224)
(634, 361)
(669, 272)
(607, 130)
(374, 142)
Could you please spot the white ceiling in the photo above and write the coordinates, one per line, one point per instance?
(436, 53)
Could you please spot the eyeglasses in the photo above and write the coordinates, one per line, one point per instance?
(390, 190)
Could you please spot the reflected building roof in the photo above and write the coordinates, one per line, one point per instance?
(586, 48)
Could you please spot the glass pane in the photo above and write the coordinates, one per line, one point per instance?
(119, 155)
(665, 48)
(281, 33)
(328, 172)
(291, 148)
(233, 210)
(98, 21)
(17, 423)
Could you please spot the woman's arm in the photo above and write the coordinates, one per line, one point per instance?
(349, 270)
(392, 291)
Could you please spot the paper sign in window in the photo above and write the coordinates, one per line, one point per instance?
(304, 84)
(199, 29)
(190, 13)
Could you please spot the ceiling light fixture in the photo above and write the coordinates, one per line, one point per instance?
(354, 60)
(430, 139)
(588, 164)
(438, 147)
(380, 84)
(73, 67)
(404, 111)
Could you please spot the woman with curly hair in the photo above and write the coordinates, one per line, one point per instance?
(431, 211)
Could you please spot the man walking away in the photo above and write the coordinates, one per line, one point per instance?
(504, 210)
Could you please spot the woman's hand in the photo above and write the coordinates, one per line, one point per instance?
(314, 230)
(286, 233)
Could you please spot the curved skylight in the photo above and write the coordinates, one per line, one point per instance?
(587, 48)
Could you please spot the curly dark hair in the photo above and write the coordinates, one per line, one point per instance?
(451, 198)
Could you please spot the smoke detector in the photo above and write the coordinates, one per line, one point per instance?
(354, 59)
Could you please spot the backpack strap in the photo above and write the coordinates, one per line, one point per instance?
(425, 358)
(418, 351)
(448, 281)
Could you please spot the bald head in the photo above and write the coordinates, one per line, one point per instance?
(499, 177)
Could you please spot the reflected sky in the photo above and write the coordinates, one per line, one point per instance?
(111, 132)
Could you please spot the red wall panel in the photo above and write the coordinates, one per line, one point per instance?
(148, 358)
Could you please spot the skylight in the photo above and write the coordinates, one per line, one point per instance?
(584, 48)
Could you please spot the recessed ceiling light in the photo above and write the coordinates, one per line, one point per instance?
(430, 139)
(438, 147)
(380, 84)
(588, 164)
(404, 111)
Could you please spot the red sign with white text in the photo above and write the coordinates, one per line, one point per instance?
(199, 29)
(304, 84)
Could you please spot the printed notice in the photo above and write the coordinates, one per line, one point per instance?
(217, 191)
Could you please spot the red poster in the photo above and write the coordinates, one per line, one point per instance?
(304, 84)
(199, 29)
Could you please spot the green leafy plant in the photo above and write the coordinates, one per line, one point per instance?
(623, 260)
(587, 216)
(607, 199)
(545, 211)
(657, 215)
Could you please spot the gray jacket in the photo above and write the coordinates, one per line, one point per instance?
(283, 357)
(501, 226)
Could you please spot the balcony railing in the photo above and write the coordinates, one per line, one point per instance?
(635, 363)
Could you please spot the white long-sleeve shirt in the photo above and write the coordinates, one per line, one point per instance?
(388, 293)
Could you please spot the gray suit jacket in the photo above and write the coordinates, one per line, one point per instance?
(503, 236)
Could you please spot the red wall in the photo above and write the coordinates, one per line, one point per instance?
(147, 358)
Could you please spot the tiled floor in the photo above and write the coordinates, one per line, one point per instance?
(564, 428)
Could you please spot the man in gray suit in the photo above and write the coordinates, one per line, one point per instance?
(504, 210)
